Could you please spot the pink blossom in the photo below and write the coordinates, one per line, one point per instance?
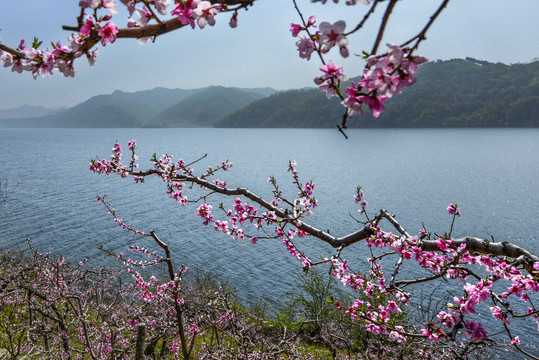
(432, 336)
(144, 16)
(110, 5)
(92, 57)
(332, 35)
(108, 33)
(161, 6)
(354, 101)
(499, 314)
(333, 74)
(376, 104)
(234, 21)
(130, 4)
(305, 47)
(390, 73)
(88, 26)
(333, 71)
(453, 209)
(295, 29)
(475, 330)
(204, 211)
(184, 12)
(205, 13)
(442, 244)
(449, 319)
(93, 4)
(66, 68)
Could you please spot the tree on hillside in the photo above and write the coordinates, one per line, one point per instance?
(500, 277)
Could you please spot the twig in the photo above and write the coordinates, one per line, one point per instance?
(422, 35)
(380, 35)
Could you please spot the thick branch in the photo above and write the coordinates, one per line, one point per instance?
(140, 32)
(473, 244)
(484, 246)
(12, 51)
(336, 242)
(394, 222)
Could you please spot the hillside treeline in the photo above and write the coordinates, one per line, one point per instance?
(453, 93)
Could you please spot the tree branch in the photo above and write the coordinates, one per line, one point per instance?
(145, 31)
(12, 51)
(380, 35)
(422, 35)
(473, 244)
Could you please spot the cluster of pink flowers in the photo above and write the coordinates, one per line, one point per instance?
(376, 318)
(204, 211)
(61, 57)
(323, 40)
(202, 11)
(452, 209)
(291, 248)
(390, 73)
(239, 213)
(500, 315)
(383, 77)
(306, 202)
(331, 80)
(475, 330)
(43, 62)
(448, 260)
(113, 166)
(360, 200)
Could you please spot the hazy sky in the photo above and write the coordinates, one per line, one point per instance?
(260, 52)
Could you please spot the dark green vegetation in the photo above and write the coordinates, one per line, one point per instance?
(150, 108)
(454, 93)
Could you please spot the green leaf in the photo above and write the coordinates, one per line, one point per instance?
(36, 43)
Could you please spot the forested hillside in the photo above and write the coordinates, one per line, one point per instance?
(454, 93)
(205, 108)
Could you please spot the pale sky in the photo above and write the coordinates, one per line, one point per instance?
(260, 52)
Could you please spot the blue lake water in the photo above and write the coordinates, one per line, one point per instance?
(493, 175)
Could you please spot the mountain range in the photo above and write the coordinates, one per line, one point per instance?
(26, 111)
(158, 107)
(452, 93)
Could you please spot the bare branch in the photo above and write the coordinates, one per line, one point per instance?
(365, 18)
(423, 34)
(380, 35)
